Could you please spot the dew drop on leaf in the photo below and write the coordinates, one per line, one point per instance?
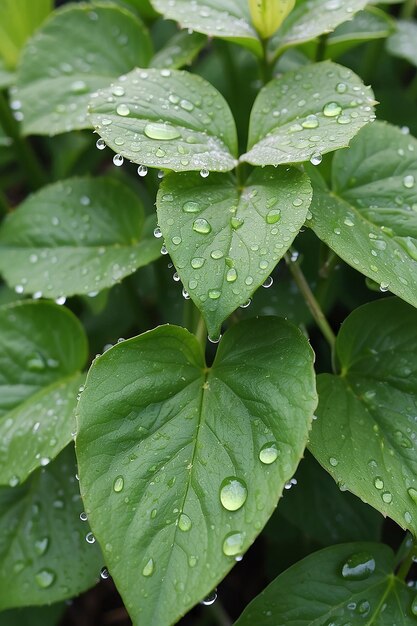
(210, 598)
(233, 493)
(233, 543)
(161, 132)
(268, 453)
(118, 484)
(332, 109)
(359, 566)
(45, 578)
(149, 568)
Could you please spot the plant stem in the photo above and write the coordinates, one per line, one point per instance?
(311, 301)
(220, 614)
(321, 48)
(24, 151)
(408, 9)
(407, 562)
(201, 332)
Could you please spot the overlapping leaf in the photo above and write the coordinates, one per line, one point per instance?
(403, 43)
(369, 217)
(181, 465)
(180, 50)
(366, 25)
(168, 119)
(76, 236)
(226, 240)
(351, 583)
(44, 557)
(43, 349)
(365, 435)
(80, 49)
(306, 113)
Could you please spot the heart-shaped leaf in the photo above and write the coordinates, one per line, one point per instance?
(365, 435)
(307, 112)
(353, 583)
(181, 465)
(225, 240)
(80, 49)
(44, 556)
(167, 119)
(75, 236)
(43, 348)
(369, 216)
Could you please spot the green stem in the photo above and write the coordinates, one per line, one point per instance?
(321, 48)
(220, 615)
(311, 302)
(408, 9)
(201, 332)
(408, 560)
(265, 66)
(24, 151)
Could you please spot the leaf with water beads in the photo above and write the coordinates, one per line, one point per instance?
(76, 236)
(352, 583)
(44, 557)
(168, 119)
(225, 241)
(187, 481)
(46, 345)
(366, 432)
(369, 216)
(80, 49)
(313, 110)
(180, 50)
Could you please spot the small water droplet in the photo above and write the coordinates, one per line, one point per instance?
(83, 516)
(231, 275)
(201, 226)
(122, 110)
(210, 599)
(332, 109)
(45, 578)
(184, 523)
(316, 158)
(379, 483)
(268, 282)
(311, 121)
(104, 573)
(191, 207)
(333, 462)
(204, 173)
(118, 484)
(149, 568)
(268, 453)
(233, 543)
(100, 144)
(197, 262)
(408, 181)
(413, 494)
(236, 222)
(41, 545)
(341, 88)
(118, 160)
(233, 493)
(90, 537)
(414, 606)
(142, 170)
(273, 216)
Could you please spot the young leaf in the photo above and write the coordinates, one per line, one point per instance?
(167, 119)
(403, 43)
(180, 50)
(312, 18)
(181, 465)
(44, 557)
(368, 218)
(227, 19)
(19, 18)
(43, 349)
(80, 49)
(306, 113)
(75, 236)
(353, 583)
(225, 240)
(366, 431)
(268, 16)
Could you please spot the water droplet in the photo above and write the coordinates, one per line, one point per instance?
(349, 222)
(122, 109)
(104, 573)
(118, 160)
(176, 240)
(316, 158)
(214, 294)
(184, 523)
(333, 462)
(41, 545)
(45, 578)
(268, 282)
(233, 493)
(384, 287)
(90, 538)
(341, 88)
(161, 132)
(118, 484)
(142, 170)
(192, 561)
(83, 516)
(197, 262)
(118, 90)
(210, 599)
(413, 494)
(246, 304)
(414, 606)
(201, 226)
(311, 121)
(332, 109)
(186, 105)
(408, 181)
(387, 497)
(236, 222)
(100, 144)
(359, 566)
(379, 483)
(157, 232)
(61, 300)
(149, 568)
(204, 173)
(233, 543)
(216, 254)
(273, 216)
(191, 207)
(268, 453)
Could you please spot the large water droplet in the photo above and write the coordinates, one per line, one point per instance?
(118, 160)
(268, 453)
(311, 121)
(122, 109)
(191, 207)
(233, 493)
(45, 578)
(273, 216)
(184, 523)
(359, 566)
(201, 226)
(332, 109)
(161, 132)
(197, 262)
(409, 181)
(233, 543)
(149, 568)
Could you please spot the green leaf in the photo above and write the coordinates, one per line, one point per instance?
(33, 616)
(367, 25)
(55, 85)
(351, 583)
(312, 18)
(167, 119)
(227, 19)
(43, 349)
(306, 113)
(160, 434)
(225, 240)
(366, 430)
(403, 43)
(369, 217)
(7, 77)
(75, 236)
(44, 557)
(180, 50)
(19, 18)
